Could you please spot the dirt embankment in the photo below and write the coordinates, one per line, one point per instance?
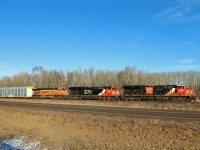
(83, 131)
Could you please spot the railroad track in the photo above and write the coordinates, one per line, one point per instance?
(111, 111)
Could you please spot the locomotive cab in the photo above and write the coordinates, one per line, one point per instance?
(111, 91)
(180, 90)
(184, 90)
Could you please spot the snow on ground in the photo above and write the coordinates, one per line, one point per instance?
(20, 143)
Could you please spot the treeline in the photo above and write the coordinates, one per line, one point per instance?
(40, 77)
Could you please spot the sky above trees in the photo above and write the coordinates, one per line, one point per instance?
(153, 35)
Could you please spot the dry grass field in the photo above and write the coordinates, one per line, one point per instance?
(58, 130)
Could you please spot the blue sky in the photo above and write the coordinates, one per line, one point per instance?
(153, 35)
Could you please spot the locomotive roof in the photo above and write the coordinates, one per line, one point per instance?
(130, 86)
(46, 89)
(85, 87)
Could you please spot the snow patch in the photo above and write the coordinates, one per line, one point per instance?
(20, 143)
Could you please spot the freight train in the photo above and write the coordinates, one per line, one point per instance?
(127, 93)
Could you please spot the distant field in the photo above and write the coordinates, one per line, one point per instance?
(82, 131)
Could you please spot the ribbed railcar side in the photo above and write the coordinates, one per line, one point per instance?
(16, 92)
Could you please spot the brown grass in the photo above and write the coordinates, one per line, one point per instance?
(83, 131)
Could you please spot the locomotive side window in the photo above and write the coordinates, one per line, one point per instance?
(113, 88)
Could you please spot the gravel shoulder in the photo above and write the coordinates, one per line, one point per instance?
(127, 104)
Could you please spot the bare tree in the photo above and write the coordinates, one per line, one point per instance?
(22, 79)
(6, 82)
(36, 76)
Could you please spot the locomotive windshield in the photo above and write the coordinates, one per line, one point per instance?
(180, 87)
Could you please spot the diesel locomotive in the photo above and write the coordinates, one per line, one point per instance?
(159, 92)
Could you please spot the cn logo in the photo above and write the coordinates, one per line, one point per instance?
(87, 91)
